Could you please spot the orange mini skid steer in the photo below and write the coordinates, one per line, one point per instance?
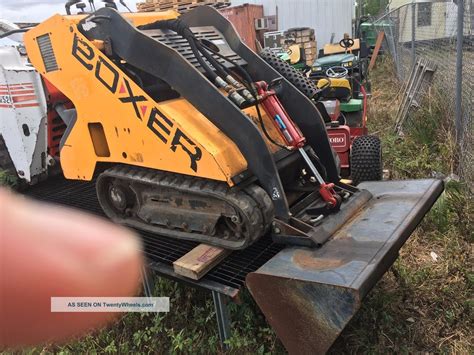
(193, 136)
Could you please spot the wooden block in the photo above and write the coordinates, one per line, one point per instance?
(302, 33)
(199, 261)
(311, 44)
(186, 5)
(307, 32)
(145, 7)
(305, 39)
(164, 7)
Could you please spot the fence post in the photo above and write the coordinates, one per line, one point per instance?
(459, 54)
(413, 33)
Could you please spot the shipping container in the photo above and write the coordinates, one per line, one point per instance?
(329, 18)
(243, 18)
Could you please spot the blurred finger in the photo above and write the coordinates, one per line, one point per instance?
(49, 251)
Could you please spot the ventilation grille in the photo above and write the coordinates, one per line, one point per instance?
(181, 45)
(47, 53)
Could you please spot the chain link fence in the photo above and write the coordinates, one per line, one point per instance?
(440, 33)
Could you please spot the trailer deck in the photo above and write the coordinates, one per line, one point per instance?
(316, 290)
(227, 278)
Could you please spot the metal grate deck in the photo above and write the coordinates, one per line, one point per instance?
(228, 277)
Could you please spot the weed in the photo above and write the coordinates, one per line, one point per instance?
(7, 179)
(422, 304)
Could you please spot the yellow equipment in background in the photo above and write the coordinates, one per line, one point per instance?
(335, 48)
(339, 88)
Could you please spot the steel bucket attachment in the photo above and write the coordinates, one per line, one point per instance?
(308, 295)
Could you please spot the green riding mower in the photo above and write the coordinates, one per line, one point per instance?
(367, 29)
(350, 54)
(295, 56)
(360, 154)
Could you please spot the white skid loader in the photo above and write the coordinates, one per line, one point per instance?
(23, 109)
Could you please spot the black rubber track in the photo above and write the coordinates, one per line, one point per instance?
(252, 204)
(366, 159)
(294, 76)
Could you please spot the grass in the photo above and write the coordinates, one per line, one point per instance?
(6, 179)
(190, 328)
(420, 305)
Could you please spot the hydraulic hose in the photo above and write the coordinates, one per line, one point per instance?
(245, 75)
(212, 75)
(229, 83)
(248, 83)
(222, 70)
(183, 30)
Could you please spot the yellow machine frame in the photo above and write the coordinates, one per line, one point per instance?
(117, 122)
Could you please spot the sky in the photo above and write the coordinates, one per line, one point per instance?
(36, 11)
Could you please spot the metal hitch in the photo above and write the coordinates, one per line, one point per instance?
(311, 225)
(310, 294)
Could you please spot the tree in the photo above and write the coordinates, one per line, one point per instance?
(372, 7)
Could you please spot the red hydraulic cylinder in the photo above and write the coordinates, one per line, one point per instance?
(288, 130)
